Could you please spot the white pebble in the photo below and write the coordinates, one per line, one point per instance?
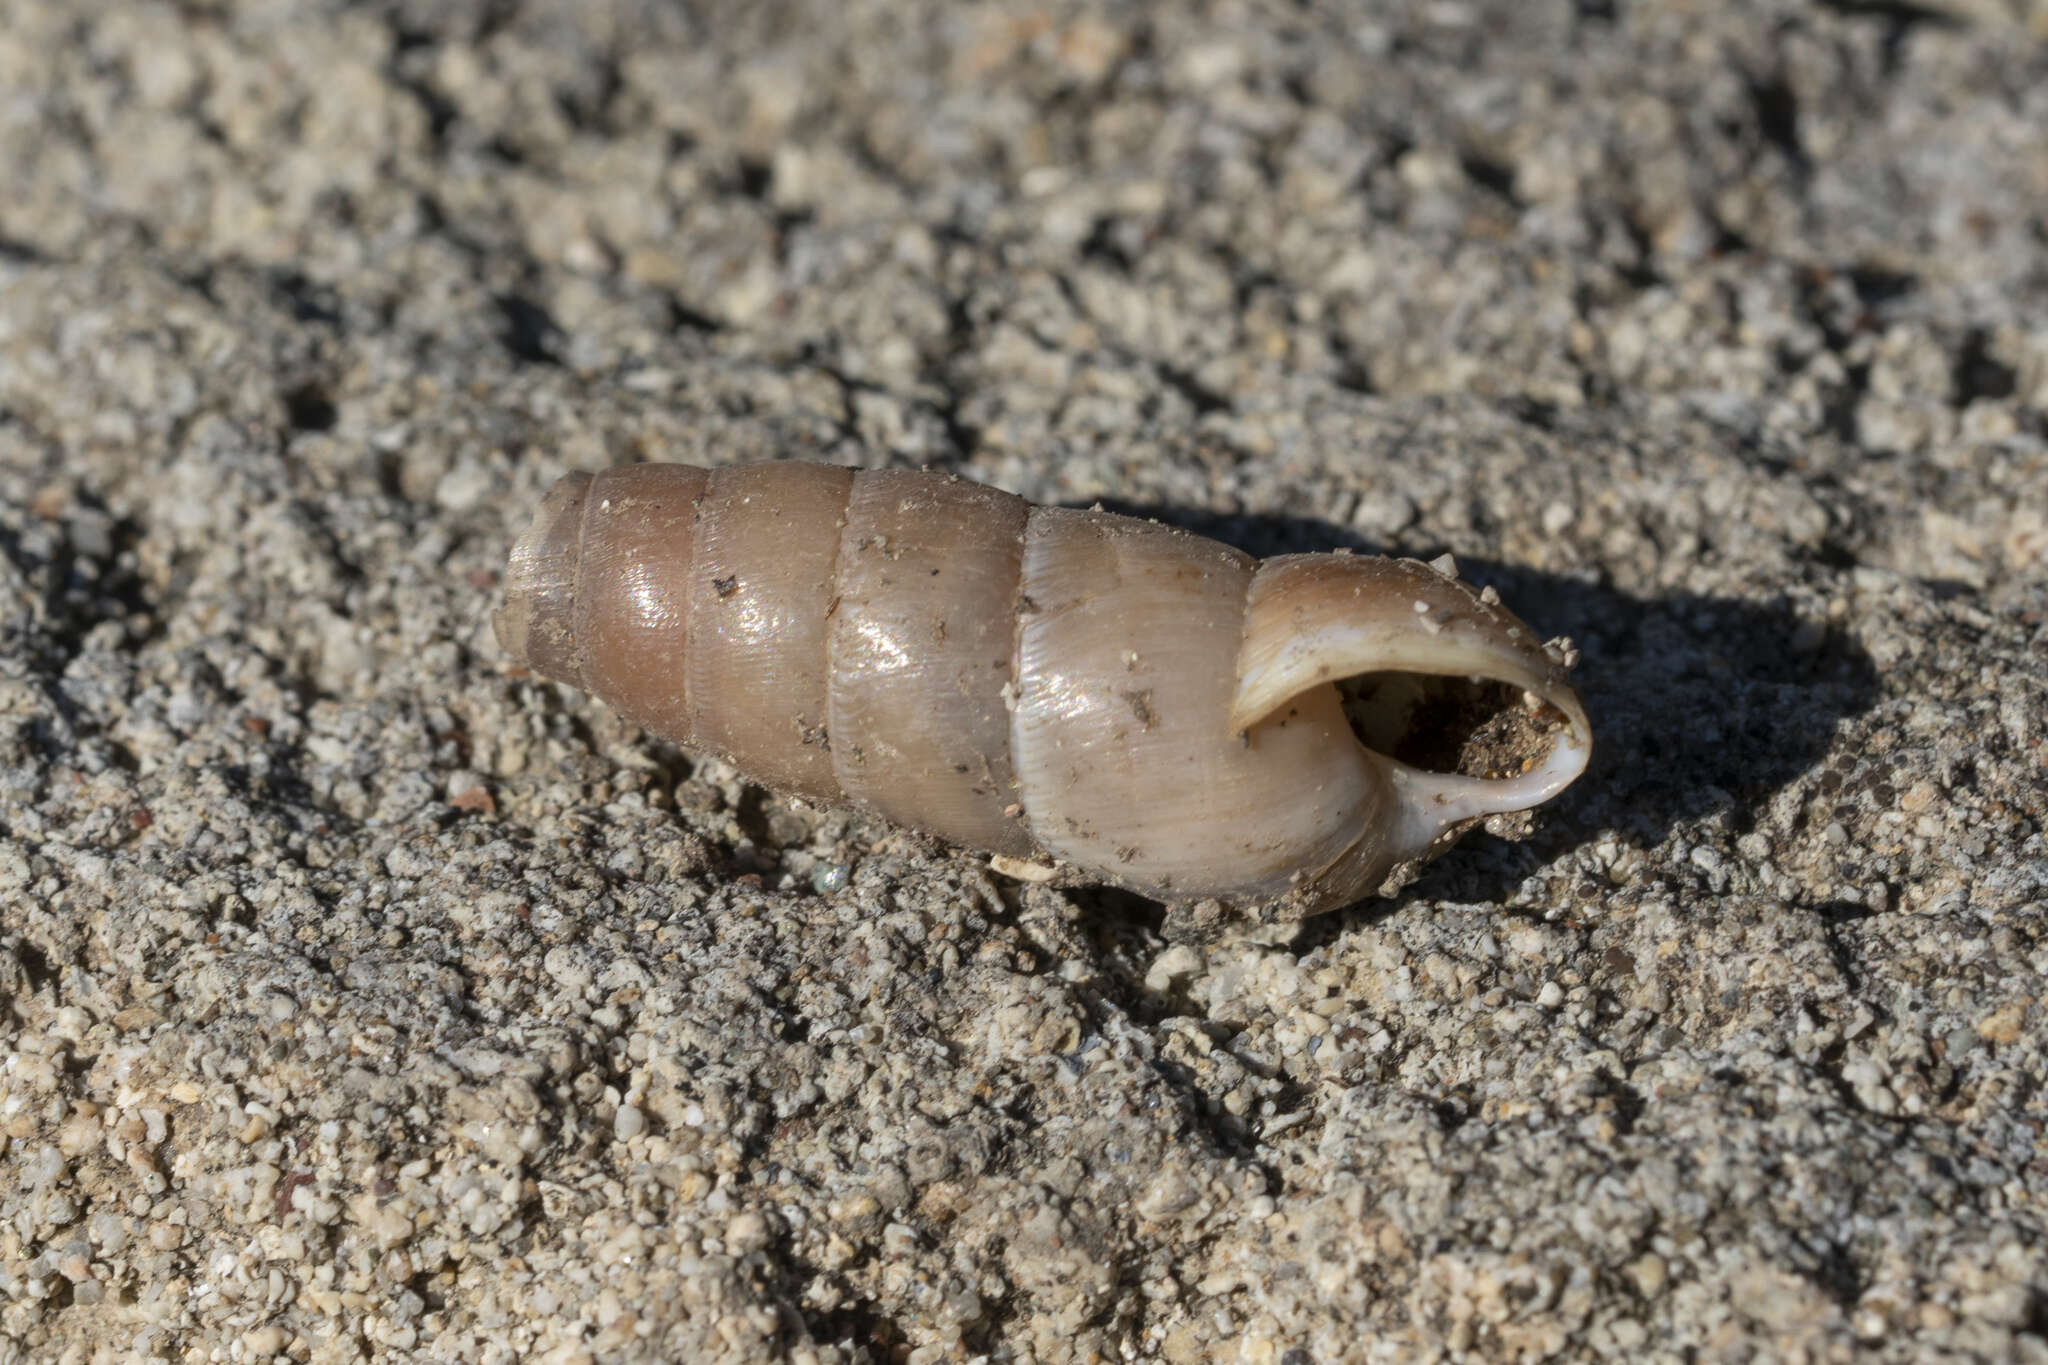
(628, 1123)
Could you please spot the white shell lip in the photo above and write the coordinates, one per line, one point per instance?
(1431, 803)
(1312, 620)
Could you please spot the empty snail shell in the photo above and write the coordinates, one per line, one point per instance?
(1145, 706)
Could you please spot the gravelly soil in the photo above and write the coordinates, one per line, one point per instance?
(366, 1000)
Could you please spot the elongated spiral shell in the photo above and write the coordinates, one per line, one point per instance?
(1144, 706)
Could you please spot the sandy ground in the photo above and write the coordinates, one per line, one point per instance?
(367, 1001)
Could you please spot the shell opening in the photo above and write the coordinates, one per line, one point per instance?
(1477, 727)
(1448, 693)
(1460, 748)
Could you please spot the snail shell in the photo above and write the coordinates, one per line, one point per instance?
(1151, 708)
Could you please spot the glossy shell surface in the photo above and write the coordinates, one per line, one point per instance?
(1126, 701)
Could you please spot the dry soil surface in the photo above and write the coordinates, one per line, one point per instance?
(367, 1000)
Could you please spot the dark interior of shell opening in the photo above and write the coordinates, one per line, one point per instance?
(1477, 727)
